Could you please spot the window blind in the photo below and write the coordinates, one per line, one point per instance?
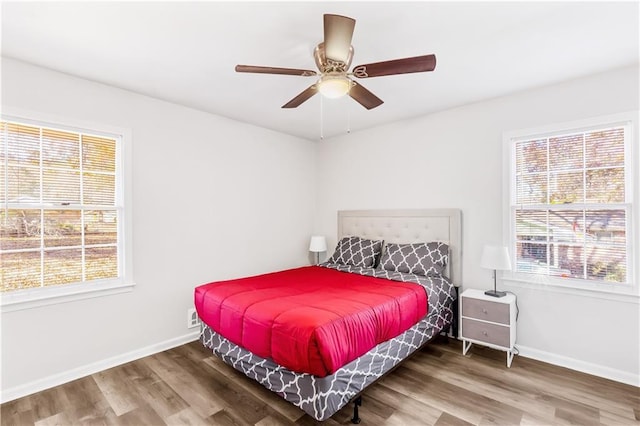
(59, 217)
(569, 205)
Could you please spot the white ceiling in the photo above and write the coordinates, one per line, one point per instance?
(186, 52)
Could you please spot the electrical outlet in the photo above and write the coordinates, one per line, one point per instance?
(193, 320)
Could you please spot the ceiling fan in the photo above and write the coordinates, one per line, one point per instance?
(333, 59)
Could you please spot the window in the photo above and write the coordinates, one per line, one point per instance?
(570, 204)
(62, 209)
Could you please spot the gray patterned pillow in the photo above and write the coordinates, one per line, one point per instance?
(418, 259)
(357, 251)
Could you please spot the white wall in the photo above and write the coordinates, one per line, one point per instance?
(453, 159)
(213, 199)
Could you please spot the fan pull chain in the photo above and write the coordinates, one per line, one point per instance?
(348, 117)
(321, 119)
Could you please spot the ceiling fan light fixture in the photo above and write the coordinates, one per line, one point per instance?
(334, 86)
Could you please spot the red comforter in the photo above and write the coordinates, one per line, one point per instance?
(311, 319)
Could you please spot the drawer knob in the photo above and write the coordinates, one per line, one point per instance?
(484, 310)
(484, 332)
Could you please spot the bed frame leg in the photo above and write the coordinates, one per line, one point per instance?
(356, 403)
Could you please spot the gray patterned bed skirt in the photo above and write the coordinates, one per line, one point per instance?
(321, 397)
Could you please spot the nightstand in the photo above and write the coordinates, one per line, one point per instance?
(488, 321)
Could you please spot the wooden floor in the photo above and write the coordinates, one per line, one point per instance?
(438, 386)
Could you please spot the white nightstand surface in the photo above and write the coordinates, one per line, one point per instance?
(479, 294)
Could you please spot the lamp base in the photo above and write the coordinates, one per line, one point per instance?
(495, 293)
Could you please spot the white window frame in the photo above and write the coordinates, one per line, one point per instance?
(43, 296)
(632, 188)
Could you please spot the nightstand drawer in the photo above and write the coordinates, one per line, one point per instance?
(485, 332)
(486, 311)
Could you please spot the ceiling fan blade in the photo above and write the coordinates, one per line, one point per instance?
(364, 97)
(338, 32)
(274, 70)
(397, 66)
(302, 97)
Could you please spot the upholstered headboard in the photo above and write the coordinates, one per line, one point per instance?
(409, 226)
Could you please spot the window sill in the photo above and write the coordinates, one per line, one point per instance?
(29, 299)
(626, 294)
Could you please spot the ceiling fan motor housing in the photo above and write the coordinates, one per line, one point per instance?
(327, 65)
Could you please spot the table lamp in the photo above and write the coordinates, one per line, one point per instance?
(496, 258)
(318, 245)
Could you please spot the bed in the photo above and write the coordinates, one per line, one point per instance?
(319, 335)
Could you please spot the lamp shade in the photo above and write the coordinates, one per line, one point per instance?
(318, 244)
(495, 257)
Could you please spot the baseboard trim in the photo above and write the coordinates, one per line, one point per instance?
(582, 366)
(67, 376)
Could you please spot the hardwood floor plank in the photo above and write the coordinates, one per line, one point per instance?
(187, 417)
(99, 418)
(245, 405)
(441, 396)
(402, 418)
(194, 351)
(249, 407)
(566, 416)
(533, 379)
(586, 388)
(153, 390)
(531, 420)
(49, 403)
(274, 419)
(60, 419)
(447, 419)
(142, 415)
(228, 418)
(17, 412)
(486, 382)
(88, 403)
(203, 401)
(405, 405)
(277, 403)
(567, 406)
(117, 390)
(18, 418)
